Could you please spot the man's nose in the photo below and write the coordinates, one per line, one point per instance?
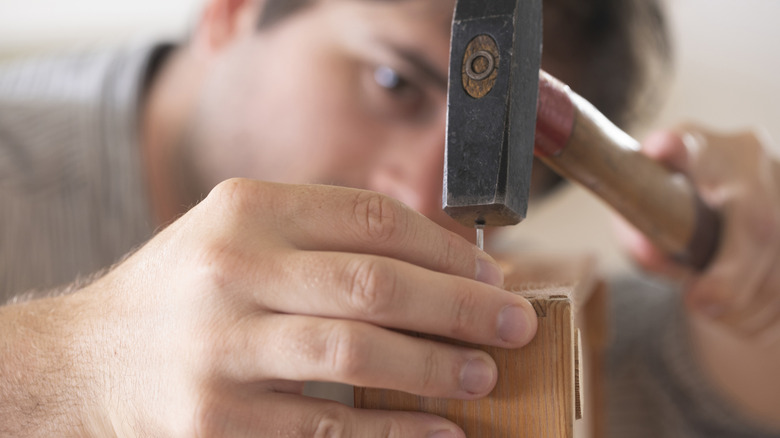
(411, 169)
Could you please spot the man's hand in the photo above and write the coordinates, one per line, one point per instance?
(735, 302)
(211, 328)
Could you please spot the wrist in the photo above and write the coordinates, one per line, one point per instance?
(44, 381)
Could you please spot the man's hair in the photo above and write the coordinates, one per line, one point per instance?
(275, 10)
(614, 53)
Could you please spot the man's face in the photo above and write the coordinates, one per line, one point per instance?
(346, 92)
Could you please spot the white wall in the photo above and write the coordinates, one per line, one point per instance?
(42, 25)
(728, 64)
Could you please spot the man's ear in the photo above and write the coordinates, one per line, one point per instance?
(223, 21)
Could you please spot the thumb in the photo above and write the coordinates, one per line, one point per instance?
(670, 148)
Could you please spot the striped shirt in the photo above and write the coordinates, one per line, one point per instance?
(73, 200)
(72, 196)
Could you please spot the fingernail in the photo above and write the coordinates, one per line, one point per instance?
(513, 325)
(444, 434)
(476, 377)
(489, 273)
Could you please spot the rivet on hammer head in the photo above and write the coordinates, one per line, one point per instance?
(480, 54)
(480, 66)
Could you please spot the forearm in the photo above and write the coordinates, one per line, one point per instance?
(41, 390)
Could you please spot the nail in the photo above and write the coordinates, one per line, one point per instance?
(490, 273)
(513, 325)
(444, 434)
(476, 377)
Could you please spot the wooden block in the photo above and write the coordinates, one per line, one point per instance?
(537, 390)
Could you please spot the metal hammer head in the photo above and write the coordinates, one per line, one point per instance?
(495, 56)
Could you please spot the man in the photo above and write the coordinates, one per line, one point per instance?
(210, 328)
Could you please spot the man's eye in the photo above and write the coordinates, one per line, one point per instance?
(388, 78)
(390, 94)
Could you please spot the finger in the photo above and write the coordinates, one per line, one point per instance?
(751, 234)
(297, 416)
(350, 220)
(301, 348)
(396, 294)
(714, 160)
(760, 319)
(645, 253)
(749, 248)
(669, 148)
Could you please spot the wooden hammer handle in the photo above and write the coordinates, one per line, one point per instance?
(581, 144)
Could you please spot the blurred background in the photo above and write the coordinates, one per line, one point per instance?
(727, 63)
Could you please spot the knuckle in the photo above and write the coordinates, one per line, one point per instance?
(449, 256)
(371, 286)
(748, 145)
(764, 224)
(391, 429)
(331, 422)
(713, 292)
(236, 196)
(217, 265)
(378, 216)
(345, 352)
(463, 315)
(210, 419)
(430, 370)
(228, 191)
(751, 140)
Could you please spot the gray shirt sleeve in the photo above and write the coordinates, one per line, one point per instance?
(655, 386)
(72, 194)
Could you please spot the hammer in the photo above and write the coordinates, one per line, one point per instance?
(502, 110)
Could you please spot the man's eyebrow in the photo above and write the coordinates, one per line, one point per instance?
(421, 64)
